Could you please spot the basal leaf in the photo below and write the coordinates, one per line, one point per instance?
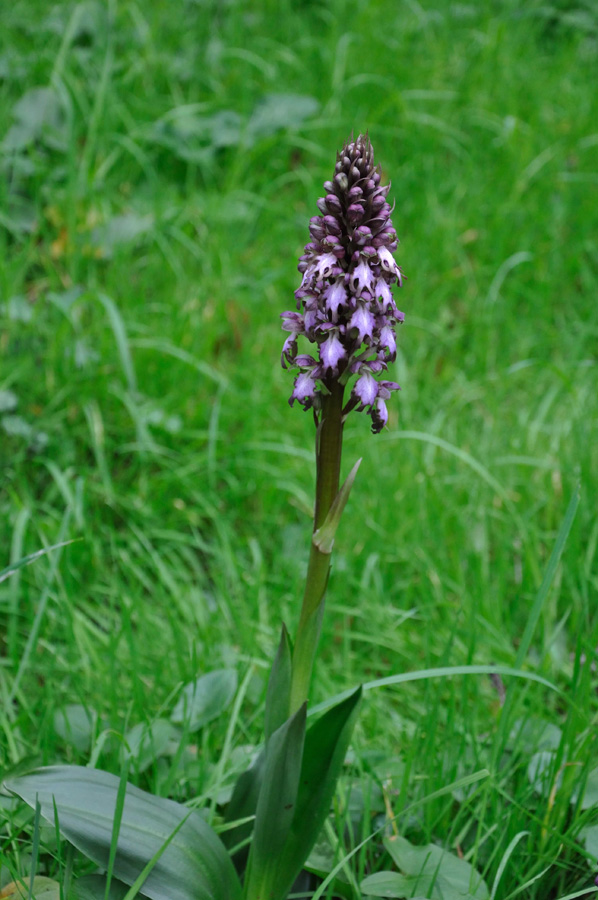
(433, 872)
(326, 745)
(590, 791)
(38, 115)
(590, 837)
(541, 773)
(194, 865)
(278, 111)
(205, 698)
(146, 742)
(93, 887)
(41, 888)
(386, 884)
(276, 806)
(321, 861)
(74, 724)
(279, 686)
(243, 803)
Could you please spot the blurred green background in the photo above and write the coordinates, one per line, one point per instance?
(159, 165)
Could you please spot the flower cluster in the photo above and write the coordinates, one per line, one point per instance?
(345, 302)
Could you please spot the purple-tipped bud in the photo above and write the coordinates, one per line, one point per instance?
(332, 225)
(355, 213)
(377, 203)
(362, 235)
(333, 204)
(345, 299)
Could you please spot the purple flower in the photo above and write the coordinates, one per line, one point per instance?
(361, 277)
(379, 416)
(304, 389)
(345, 303)
(366, 389)
(388, 341)
(331, 352)
(363, 320)
(335, 295)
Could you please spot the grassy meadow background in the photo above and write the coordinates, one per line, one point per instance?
(159, 165)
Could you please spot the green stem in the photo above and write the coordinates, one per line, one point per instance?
(329, 441)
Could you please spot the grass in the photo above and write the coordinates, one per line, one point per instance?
(153, 203)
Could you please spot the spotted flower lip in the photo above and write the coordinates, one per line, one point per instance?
(345, 303)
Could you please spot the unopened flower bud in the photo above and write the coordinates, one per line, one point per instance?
(333, 204)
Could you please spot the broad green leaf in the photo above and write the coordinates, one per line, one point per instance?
(386, 884)
(321, 861)
(590, 837)
(434, 872)
(243, 803)
(8, 401)
(41, 888)
(277, 111)
(539, 770)
(326, 745)
(194, 865)
(205, 698)
(18, 214)
(590, 791)
(119, 231)
(93, 887)
(533, 734)
(194, 138)
(279, 686)
(74, 724)
(443, 791)
(146, 742)
(276, 805)
(38, 116)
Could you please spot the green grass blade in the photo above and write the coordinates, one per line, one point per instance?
(26, 560)
(441, 672)
(503, 863)
(547, 580)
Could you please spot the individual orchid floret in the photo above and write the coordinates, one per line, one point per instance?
(345, 303)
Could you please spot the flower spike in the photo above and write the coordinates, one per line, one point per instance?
(345, 298)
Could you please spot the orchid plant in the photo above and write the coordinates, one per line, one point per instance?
(345, 308)
(165, 850)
